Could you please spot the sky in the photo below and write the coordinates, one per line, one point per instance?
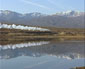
(42, 6)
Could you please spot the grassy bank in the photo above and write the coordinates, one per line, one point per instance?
(55, 33)
(79, 68)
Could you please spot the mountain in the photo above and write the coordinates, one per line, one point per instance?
(68, 19)
(70, 13)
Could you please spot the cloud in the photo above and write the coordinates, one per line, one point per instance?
(60, 5)
(35, 4)
(57, 5)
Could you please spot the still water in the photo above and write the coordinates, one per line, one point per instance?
(42, 55)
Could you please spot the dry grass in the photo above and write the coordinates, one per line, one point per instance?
(79, 68)
(55, 33)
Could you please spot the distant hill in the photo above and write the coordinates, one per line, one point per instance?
(69, 19)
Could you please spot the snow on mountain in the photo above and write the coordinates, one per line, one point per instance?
(9, 14)
(68, 19)
(13, 26)
(70, 13)
(35, 14)
(6, 12)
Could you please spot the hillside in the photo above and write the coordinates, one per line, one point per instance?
(68, 19)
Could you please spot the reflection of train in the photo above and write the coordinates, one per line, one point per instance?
(69, 50)
(14, 46)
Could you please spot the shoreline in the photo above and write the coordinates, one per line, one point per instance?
(79, 68)
(41, 37)
(53, 34)
(20, 39)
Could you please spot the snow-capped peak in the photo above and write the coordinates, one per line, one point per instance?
(35, 14)
(69, 13)
(6, 12)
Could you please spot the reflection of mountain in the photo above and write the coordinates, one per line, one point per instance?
(68, 50)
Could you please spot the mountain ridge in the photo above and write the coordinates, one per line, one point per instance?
(69, 19)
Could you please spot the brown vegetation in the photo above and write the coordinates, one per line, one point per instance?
(79, 68)
(55, 33)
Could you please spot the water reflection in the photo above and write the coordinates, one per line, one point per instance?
(21, 45)
(66, 50)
